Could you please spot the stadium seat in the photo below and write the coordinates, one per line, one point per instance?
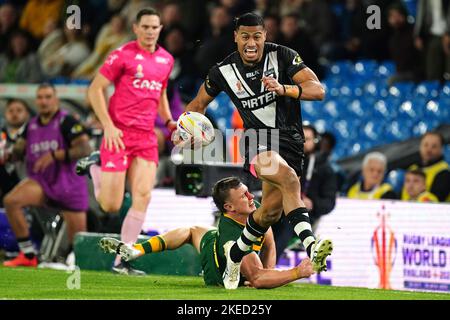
(312, 110)
(372, 130)
(365, 69)
(427, 89)
(398, 130)
(407, 110)
(381, 111)
(445, 92)
(355, 110)
(422, 127)
(395, 178)
(385, 69)
(437, 110)
(447, 153)
(402, 90)
(342, 68)
(332, 109)
(376, 89)
(322, 125)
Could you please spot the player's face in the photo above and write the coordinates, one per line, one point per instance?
(430, 148)
(240, 200)
(250, 43)
(373, 172)
(46, 101)
(309, 141)
(147, 30)
(16, 114)
(414, 185)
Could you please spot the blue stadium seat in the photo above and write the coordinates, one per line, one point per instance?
(445, 92)
(342, 68)
(381, 111)
(376, 89)
(365, 68)
(401, 90)
(411, 6)
(385, 69)
(345, 129)
(355, 109)
(427, 89)
(372, 130)
(407, 110)
(332, 109)
(396, 178)
(398, 130)
(221, 108)
(447, 153)
(423, 126)
(312, 110)
(322, 125)
(437, 110)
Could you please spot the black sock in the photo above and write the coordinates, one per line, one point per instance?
(251, 233)
(26, 246)
(299, 220)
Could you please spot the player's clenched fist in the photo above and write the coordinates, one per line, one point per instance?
(271, 84)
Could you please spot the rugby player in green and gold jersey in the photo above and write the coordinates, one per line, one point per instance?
(235, 202)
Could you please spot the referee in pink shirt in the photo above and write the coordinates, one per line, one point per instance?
(139, 71)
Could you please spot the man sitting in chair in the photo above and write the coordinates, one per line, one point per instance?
(50, 144)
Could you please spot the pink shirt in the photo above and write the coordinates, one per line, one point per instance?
(139, 78)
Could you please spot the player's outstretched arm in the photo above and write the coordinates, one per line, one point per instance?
(260, 278)
(200, 102)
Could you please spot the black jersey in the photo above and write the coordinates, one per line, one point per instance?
(259, 108)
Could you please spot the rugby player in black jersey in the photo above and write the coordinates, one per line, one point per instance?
(265, 81)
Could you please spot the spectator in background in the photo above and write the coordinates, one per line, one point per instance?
(16, 116)
(52, 142)
(327, 144)
(430, 29)
(416, 187)
(266, 8)
(111, 36)
(131, 8)
(319, 189)
(317, 19)
(272, 25)
(8, 23)
(401, 46)
(184, 70)
(217, 43)
(52, 42)
(372, 187)
(74, 51)
(36, 14)
(171, 16)
(237, 7)
(432, 163)
(296, 38)
(19, 64)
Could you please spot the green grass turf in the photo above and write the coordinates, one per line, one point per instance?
(27, 283)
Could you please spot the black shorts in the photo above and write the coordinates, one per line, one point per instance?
(288, 144)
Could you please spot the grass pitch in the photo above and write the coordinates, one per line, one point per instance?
(28, 283)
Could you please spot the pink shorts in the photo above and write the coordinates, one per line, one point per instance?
(137, 144)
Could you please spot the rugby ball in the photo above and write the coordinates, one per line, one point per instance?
(195, 125)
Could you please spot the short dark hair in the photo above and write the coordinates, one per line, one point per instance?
(330, 137)
(22, 102)
(147, 12)
(221, 191)
(399, 7)
(434, 133)
(45, 85)
(249, 19)
(417, 172)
